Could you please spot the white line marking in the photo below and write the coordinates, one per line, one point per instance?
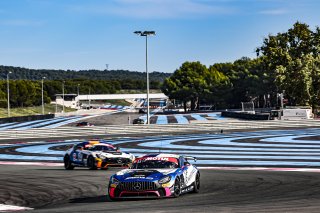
(262, 169)
(30, 163)
(6, 208)
(202, 167)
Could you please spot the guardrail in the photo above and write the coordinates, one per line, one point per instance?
(26, 118)
(245, 116)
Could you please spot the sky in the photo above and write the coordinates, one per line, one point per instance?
(98, 34)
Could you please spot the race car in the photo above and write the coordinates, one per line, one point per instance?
(96, 154)
(155, 175)
(84, 123)
(138, 121)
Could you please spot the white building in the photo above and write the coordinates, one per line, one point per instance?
(74, 101)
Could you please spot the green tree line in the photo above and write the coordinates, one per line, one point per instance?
(24, 93)
(287, 63)
(20, 73)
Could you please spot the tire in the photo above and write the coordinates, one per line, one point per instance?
(177, 188)
(111, 199)
(91, 164)
(196, 184)
(67, 163)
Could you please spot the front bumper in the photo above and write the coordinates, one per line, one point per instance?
(162, 192)
(146, 190)
(113, 162)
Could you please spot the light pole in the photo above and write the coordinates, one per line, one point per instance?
(8, 92)
(42, 94)
(146, 34)
(78, 89)
(89, 98)
(63, 96)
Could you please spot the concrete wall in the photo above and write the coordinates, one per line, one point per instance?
(26, 118)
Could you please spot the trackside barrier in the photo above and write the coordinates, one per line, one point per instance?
(245, 115)
(26, 118)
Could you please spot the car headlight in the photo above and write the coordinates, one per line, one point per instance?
(114, 180)
(165, 179)
(132, 157)
(101, 156)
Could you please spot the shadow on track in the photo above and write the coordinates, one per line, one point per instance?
(97, 199)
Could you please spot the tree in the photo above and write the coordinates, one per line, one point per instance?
(244, 81)
(191, 82)
(291, 60)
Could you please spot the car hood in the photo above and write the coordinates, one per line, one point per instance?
(143, 174)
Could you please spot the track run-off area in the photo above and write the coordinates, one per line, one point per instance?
(246, 166)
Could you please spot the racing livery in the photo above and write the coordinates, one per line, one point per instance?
(155, 175)
(96, 154)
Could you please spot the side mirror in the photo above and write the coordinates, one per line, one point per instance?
(79, 148)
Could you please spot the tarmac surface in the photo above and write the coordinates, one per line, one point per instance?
(53, 189)
(113, 119)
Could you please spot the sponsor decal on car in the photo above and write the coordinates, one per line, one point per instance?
(139, 177)
(174, 160)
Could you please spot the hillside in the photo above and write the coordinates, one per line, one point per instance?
(36, 74)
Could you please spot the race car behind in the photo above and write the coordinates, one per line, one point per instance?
(96, 154)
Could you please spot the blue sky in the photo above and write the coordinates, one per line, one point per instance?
(88, 34)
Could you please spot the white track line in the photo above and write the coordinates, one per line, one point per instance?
(262, 169)
(200, 167)
(10, 208)
(30, 163)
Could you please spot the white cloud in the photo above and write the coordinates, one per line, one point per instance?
(158, 9)
(274, 12)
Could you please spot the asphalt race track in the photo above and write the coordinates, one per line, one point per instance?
(241, 171)
(53, 189)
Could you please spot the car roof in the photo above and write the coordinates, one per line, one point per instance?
(103, 144)
(94, 143)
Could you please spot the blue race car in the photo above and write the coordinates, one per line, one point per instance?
(155, 175)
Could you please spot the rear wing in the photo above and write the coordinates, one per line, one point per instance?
(190, 158)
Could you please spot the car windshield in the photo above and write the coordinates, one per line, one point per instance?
(154, 164)
(103, 148)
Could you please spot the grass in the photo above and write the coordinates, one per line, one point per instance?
(24, 111)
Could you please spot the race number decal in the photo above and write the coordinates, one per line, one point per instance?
(80, 157)
(185, 175)
(74, 156)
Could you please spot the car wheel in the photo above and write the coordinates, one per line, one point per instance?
(177, 188)
(67, 163)
(196, 184)
(111, 198)
(91, 164)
